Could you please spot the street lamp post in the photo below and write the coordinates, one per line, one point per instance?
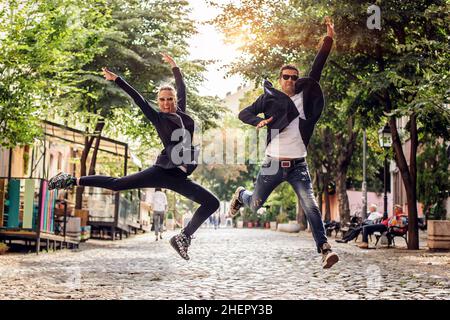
(364, 184)
(385, 139)
(325, 185)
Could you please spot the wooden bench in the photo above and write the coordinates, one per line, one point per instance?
(391, 233)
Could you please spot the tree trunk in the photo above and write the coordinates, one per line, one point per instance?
(327, 206)
(26, 157)
(95, 151)
(329, 163)
(413, 224)
(80, 189)
(409, 178)
(344, 160)
(88, 141)
(341, 189)
(319, 185)
(326, 181)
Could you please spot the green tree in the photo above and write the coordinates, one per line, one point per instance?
(401, 70)
(269, 40)
(409, 59)
(44, 44)
(139, 31)
(283, 201)
(221, 176)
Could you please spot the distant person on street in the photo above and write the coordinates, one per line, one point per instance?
(159, 205)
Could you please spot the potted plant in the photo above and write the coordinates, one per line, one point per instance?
(273, 225)
(265, 220)
(246, 218)
(271, 219)
(252, 220)
(284, 225)
(3, 248)
(282, 217)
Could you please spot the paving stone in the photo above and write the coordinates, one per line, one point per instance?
(225, 264)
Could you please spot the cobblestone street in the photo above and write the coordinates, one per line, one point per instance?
(225, 264)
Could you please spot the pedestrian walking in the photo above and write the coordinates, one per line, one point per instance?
(159, 206)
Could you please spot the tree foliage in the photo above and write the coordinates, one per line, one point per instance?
(44, 44)
(371, 76)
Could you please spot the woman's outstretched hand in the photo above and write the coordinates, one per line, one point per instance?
(330, 27)
(169, 60)
(109, 75)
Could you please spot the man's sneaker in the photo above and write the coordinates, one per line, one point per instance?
(329, 258)
(181, 243)
(364, 245)
(62, 181)
(235, 204)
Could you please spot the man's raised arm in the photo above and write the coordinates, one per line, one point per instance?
(322, 55)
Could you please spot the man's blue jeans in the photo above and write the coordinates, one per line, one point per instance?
(270, 176)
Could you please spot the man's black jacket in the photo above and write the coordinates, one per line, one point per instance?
(167, 123)
(276, 104)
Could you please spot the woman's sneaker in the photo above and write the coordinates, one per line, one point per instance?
(181, 243)
(62, 181)
(236, 203)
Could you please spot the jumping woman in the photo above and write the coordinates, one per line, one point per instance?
(174, 164)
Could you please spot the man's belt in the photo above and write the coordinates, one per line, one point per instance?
(291, 163)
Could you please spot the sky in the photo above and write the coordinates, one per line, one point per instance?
(209, 44)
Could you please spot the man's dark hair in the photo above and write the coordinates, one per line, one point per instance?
(157, 189)
(288, 67)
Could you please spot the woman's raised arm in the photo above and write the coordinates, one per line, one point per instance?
(179, 82)
(143, 104)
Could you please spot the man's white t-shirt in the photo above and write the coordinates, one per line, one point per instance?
(159, 201)
(289, 143)
(374, 216)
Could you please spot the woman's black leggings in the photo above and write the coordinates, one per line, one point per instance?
(157, 177)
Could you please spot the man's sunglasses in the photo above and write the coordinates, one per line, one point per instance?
(293, 77)
(165, 99)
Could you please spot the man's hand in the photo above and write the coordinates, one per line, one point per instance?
(109, 75)
(330, 27)
(169, 60)
(264, 123)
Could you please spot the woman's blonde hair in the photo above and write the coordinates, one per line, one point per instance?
(167, 87)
